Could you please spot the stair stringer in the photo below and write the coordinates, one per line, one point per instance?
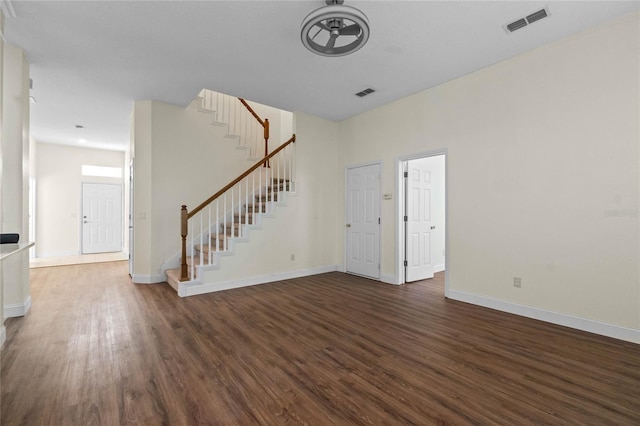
(234, 271)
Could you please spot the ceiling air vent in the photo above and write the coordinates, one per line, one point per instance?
(517, 25)
(365, 92)
(536, 16)
(529, 19)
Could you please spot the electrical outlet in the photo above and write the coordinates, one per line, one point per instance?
(517, 282)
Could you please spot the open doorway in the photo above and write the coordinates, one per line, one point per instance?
(422, 230)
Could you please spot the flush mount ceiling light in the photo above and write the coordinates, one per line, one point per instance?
(335, 29)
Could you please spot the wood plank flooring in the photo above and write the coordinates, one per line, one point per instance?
(329, 349)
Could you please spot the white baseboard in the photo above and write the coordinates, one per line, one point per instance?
(389, 279)
(17, 309)
(192, 290)
(58, 254)
(591, 326)
(148, 279)
(3, 335)
(438, 268)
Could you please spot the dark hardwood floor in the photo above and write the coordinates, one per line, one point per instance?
(329, 349)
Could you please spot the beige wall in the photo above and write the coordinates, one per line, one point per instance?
(541, 149)
(59, 194)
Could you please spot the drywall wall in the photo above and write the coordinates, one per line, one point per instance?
(59, 194)
(542, 174)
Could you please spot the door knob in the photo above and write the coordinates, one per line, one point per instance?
(433, 227)
(348, 225)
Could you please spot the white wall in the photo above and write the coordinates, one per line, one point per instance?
(541, 148)
(59, 195)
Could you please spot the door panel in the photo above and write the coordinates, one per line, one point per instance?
(363, 228)
(419, 224)
(102, 218)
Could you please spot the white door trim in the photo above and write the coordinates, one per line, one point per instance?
(345, 217)
(400, 203)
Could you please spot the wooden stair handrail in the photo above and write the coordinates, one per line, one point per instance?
(247, 106)
(265, 126)
(239, 178)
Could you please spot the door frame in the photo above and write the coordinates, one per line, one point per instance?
(400, 277)
(346, 216)
(130, 221)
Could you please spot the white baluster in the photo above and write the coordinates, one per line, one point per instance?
(253, 191)
(191, 251)
(269, 179)
(259, 190)
(232, 218)
(209, 235)
(201, 244)
(239, 206)
(217, 226)
(224, 223)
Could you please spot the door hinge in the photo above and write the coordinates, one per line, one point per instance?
(406, 263)
(406, 218)
(378, 221)
(406, 174)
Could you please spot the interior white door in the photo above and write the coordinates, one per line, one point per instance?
(419, 224)
(363, 220)
(101, 218)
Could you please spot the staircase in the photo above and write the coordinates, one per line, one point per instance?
(242, 122)
(212, 229)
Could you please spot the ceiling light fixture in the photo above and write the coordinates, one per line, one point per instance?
(335, 29)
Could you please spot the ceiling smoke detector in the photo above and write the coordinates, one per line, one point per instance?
(335, 29)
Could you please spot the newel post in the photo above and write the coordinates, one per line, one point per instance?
(266, 140)
(184, 231)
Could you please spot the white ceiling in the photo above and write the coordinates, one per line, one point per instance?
(90, 60)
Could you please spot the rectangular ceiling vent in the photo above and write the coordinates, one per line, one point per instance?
(527, 20)
(365, 92)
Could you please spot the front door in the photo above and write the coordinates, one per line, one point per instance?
(418, 221)
(363, 220)
(101, 218)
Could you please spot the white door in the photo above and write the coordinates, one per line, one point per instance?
(419, 225)
(101, 218)
(363, 220)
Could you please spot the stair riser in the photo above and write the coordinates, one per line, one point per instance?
(264, 198)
